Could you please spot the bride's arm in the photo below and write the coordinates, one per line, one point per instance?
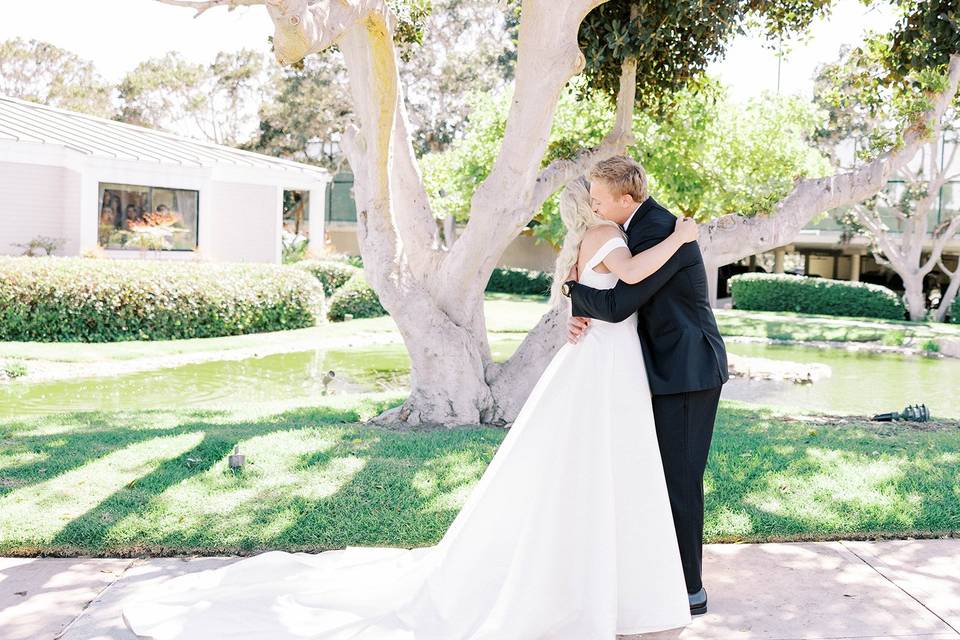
(632, 269)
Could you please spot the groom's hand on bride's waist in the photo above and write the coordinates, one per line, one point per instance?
(576, 326)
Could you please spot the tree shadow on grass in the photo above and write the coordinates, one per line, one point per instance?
(771, 479)
(375, 505)
(401, 488)
(81, 437)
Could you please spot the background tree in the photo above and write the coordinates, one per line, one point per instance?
(866, 116)
(302, 121)
(467, 47)
(910, 204)
(40, 72)
(216, 102)
(436, 297)
(950, 293)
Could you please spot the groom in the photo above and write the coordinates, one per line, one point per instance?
(683, 352)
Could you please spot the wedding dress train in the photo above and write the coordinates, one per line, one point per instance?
(568, 535)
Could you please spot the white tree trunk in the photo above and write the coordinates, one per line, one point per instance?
(913, 297)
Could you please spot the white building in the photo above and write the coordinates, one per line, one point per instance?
(135, 192)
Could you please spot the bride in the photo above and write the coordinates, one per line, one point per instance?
(568, 534)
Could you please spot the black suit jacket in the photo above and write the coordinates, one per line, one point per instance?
(682, 347)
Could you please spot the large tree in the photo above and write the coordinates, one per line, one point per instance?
(436, 296)
(865, 116)
(899, 222)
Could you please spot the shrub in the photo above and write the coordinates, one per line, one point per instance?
(55, 299)
(777, 292)
(331, 274)
(13, 370)
(519, 281)
(356, 298)
(955, 311)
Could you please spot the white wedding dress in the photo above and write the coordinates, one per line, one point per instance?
(568, 535)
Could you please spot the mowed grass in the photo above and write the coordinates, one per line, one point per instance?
(158, 482)
(809, 328)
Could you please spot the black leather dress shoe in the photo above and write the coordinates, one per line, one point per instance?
(698, 602)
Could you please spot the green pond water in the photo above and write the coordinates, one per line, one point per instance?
(287, 376)
(860, 383)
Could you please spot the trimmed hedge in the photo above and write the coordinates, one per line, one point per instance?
(520, 281)
(332, 274)
(779, 292)
(955, 311)
(357, 298)
(58, 299)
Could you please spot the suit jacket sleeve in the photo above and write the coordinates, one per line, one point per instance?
(616, 304)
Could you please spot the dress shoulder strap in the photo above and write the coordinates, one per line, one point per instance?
(603, 251)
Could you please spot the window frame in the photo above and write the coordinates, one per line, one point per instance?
(150, 188)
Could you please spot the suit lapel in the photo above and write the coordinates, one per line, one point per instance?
(645, 207)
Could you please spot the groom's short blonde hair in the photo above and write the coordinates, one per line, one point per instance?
(623, 175)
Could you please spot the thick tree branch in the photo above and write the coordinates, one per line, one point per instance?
(732, 237)
(871, 220)
(532, 355)
(940, 240)
(548, 55)
(202, 5)
(563, 170)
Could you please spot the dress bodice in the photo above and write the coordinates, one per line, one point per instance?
(609, 280)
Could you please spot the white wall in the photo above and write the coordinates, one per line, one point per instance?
(38, 200)
(53, 191)
(244, 222)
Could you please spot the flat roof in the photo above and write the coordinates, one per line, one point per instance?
(23, 121)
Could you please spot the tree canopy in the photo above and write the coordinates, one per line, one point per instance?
(710, 156)
(41, 72)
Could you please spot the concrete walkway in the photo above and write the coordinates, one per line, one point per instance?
(829, 590)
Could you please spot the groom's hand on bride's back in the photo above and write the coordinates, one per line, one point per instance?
(576, 325)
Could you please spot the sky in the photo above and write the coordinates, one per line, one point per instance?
(118, 34)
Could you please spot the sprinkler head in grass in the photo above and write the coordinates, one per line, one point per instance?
(327, 379)
(916, 413)
(913, 413)
(236, 460)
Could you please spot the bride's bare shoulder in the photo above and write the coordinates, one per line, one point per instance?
(596, 236)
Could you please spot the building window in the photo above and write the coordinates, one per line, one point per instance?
(138, 217)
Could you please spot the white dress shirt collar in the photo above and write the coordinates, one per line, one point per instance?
(626, 225)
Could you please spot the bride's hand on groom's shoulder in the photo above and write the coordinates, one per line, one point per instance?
(687, 229)
(576, 325)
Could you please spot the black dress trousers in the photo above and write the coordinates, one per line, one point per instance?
(684, 424)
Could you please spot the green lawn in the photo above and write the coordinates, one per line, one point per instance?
(808, 327)
(157, 482)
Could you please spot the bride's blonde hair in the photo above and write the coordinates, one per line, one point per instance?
(577, 216)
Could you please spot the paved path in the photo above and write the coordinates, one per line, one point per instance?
(827, 590)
